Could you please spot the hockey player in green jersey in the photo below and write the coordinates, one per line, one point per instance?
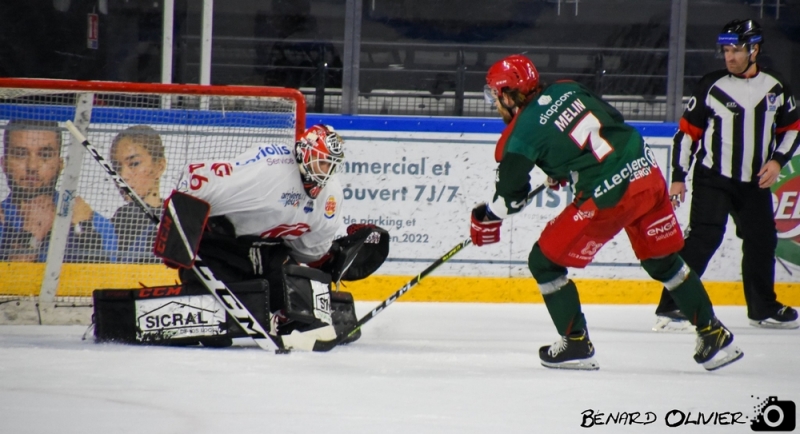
(576, 138)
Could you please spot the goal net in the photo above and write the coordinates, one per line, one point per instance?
(65, 229)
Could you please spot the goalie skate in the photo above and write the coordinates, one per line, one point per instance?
(571, 352)
(672, 322)
(715, 347)
(304, 340)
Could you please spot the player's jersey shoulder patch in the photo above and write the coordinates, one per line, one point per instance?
(330, 207)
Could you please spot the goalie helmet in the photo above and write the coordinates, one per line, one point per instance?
(740, 32)
(515, 72)
(319, 152)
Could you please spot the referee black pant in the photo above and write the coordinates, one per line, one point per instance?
(713, 198)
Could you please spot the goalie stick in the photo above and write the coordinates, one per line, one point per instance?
(218, 289)
(323, 346)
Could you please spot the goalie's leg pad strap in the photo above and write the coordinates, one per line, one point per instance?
(181, 229)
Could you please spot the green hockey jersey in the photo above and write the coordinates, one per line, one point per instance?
(571, 134)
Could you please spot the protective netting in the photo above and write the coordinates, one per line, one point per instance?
(147, 136)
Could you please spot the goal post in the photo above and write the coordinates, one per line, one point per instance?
(65, 229)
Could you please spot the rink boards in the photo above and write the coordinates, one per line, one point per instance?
(419, 178)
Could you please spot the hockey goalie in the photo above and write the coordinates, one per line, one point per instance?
(264, 224)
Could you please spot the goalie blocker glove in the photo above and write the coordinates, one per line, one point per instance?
(181, 229)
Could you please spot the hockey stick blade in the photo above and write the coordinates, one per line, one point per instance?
(224, 296)
(324, 346)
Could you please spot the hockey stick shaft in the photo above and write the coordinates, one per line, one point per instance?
(218, 289)
(323, 346)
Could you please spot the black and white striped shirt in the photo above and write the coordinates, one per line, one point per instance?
(734, 125)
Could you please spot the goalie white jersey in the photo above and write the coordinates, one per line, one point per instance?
(261, 193)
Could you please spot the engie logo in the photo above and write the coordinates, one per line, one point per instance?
(663, 228)
(786, 208)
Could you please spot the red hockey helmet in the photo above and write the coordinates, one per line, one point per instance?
(319, 153)
(515, 72)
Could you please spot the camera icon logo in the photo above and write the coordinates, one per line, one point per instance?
(774, 415)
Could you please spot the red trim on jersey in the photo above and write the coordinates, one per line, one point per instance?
(501, 143)
(794, 126)
(694, 132)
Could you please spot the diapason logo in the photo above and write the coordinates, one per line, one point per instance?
(786, 208)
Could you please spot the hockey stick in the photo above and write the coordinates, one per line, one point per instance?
(323, 346)
(218, 289)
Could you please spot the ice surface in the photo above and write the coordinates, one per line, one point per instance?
(419, 368)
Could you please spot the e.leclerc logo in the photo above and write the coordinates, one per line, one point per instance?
(786, 207)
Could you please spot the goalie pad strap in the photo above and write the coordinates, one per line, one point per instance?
(181, 229)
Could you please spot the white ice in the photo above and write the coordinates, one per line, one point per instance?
(419, 368)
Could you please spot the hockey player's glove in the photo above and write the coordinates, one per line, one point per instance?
(485, 227)
(556, 184)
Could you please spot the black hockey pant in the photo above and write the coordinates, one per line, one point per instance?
(713, 198)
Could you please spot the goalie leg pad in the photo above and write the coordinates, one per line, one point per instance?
(306, 294)
(343, 313)
(307, 308)
(174, 315)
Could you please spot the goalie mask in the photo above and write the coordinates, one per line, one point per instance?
(319, 152)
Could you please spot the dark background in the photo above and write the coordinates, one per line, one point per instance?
(617, 47)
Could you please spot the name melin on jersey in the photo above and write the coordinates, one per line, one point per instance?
(570, 113)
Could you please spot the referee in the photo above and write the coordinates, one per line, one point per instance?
(741, 125)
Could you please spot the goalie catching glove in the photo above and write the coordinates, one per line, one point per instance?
(357, 255)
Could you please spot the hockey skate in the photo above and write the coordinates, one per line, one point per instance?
(304, 338)
(785, 318)
(299, 336)
(715, 347)
(571, 352)
(672, 321)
